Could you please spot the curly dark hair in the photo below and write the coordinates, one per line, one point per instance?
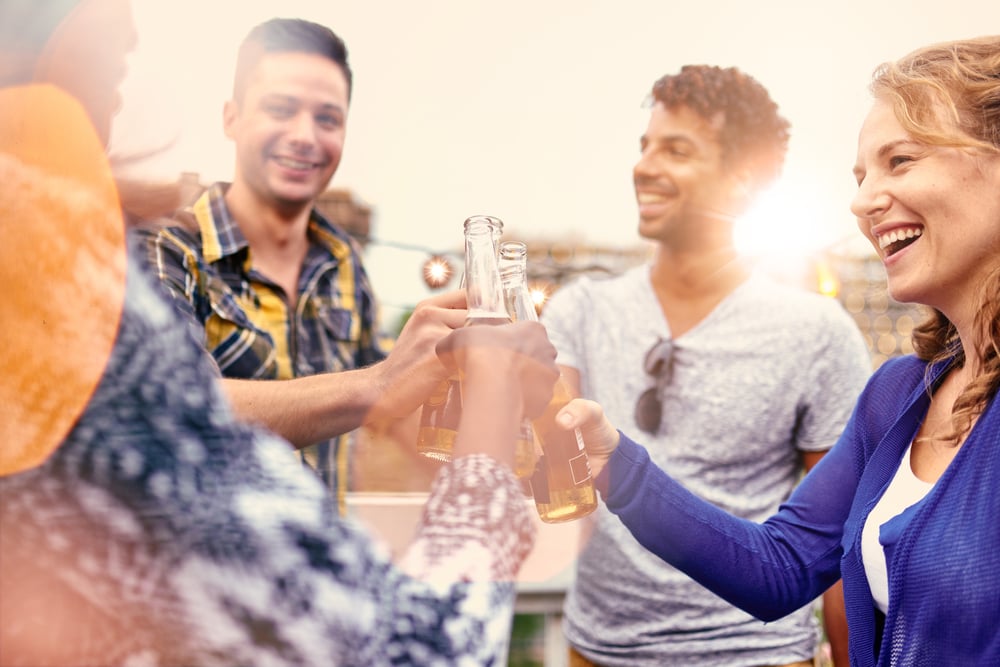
(752, 133)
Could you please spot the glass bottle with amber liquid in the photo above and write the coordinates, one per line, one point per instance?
(561, 483)
(485, 301)
(512, 267)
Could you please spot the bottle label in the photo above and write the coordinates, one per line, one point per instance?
(580, 469)
(540, 482)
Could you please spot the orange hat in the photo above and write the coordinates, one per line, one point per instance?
(62, 269)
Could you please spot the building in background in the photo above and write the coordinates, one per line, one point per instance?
(885, 323)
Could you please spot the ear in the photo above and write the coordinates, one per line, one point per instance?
(230, 117)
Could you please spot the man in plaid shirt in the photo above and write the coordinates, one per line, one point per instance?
(276, 291)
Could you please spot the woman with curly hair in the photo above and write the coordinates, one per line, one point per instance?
(905, 506)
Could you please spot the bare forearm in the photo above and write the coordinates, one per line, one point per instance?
(306, 410)
(835, 624)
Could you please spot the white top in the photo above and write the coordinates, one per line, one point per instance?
(905, 490)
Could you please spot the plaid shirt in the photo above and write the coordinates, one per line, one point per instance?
(245, 321)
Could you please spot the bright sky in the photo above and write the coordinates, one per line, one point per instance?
(530, 110)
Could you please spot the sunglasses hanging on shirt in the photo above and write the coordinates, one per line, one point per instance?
(659, 364)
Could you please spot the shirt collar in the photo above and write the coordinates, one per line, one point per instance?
(221, 235)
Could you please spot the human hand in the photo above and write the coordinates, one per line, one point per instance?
(412, 370)
(599, 434)
(501, 362)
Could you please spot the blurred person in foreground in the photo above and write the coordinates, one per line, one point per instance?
(904, 507)
(274, 290)
(140, 521)
(740, 383)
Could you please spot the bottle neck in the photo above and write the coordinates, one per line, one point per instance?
(483, 288)
(519, 302)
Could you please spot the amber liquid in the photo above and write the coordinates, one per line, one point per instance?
(562, 484)
(439, 421)
(442, 411)
(525, 454)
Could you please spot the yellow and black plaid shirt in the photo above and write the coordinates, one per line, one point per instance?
(247, 326)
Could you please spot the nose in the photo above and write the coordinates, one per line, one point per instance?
(870, 200)
(643, 168)
(302, 129)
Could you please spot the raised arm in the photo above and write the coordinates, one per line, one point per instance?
(310, 409)
(768, 569)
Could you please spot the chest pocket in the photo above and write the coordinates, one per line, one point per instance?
(241, 348)
(338, 323)
(333, 340)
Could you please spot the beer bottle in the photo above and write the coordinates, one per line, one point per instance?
(561, 483)
(484, 296)
(512, 277)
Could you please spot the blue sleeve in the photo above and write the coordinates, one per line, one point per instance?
(769, 569)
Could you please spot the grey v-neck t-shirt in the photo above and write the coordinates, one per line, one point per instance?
(773, 370)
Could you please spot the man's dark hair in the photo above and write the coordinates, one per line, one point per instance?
(751, 131)
(288, 36)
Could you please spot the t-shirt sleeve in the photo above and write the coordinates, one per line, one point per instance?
(841, 367)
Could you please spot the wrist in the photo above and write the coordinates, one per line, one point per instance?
(372, 387)
(490, 421)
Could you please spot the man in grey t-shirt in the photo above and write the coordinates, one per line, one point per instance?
(734, 383)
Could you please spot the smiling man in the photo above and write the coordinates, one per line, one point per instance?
(739, 383)
(276, 291)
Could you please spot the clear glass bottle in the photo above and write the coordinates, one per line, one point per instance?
(484, 295)
(512, 277)
(561, 484)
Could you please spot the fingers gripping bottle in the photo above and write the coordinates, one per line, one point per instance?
(484, 295)
(561, 483)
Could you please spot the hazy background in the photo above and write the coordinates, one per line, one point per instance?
(530, 110)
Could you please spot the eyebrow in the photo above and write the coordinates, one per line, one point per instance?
(883, 150)
(666, 140)
(294, 99)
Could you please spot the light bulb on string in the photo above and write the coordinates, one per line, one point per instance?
(539, 295)
(437, 272)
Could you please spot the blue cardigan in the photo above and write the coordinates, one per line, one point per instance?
(944, 565)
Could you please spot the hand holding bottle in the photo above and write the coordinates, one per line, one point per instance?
(412, 369)
(508, 373)
(441, 412)
(561, 483)
(599, 435)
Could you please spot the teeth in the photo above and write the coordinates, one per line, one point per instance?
(293, 164)
(649, 198)
(897, 235)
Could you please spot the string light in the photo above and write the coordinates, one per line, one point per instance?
(539, 295)
(826, 279)
(554, 269)
(437, 271)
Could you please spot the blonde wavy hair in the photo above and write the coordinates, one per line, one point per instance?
(948, 94)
